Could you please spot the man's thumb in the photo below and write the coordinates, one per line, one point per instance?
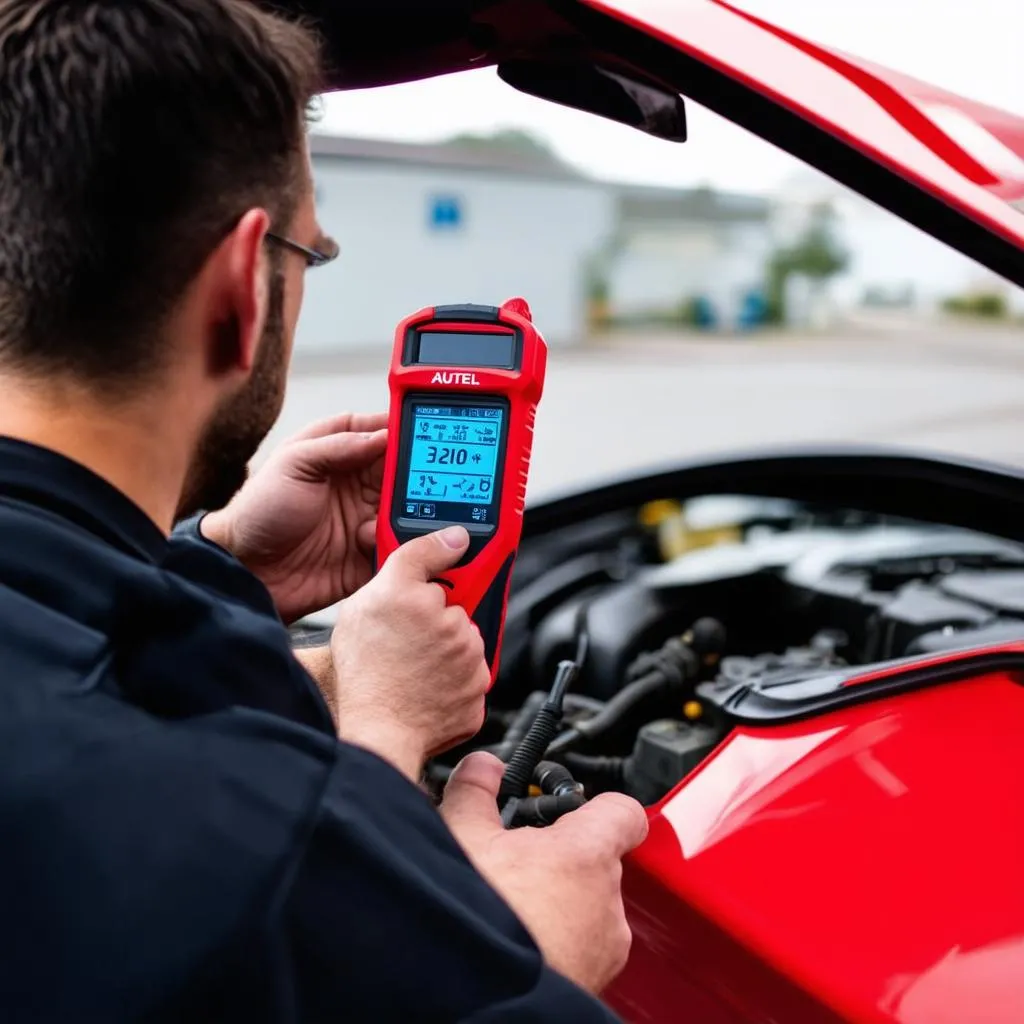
(424, 557)
(471, 795)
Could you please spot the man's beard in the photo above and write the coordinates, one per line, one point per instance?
(221, 464)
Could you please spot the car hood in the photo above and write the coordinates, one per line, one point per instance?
(950, 166)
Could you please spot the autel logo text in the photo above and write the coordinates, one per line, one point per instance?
(451, 377)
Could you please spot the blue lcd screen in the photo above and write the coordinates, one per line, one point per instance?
(453, 462)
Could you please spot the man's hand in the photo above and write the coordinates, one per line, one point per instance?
(305, 522)
(411, 673)
(563, 881)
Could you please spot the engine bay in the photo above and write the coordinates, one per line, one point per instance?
(657, 616)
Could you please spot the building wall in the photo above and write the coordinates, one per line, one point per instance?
(659, 267)
(418, 236)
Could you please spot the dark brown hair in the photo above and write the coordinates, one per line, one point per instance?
(133, 135)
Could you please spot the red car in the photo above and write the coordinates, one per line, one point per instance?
(837, 794)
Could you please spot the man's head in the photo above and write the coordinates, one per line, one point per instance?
(155, 197)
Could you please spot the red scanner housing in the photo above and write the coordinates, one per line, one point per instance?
(465, 382)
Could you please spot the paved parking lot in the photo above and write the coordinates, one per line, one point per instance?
(626, 402)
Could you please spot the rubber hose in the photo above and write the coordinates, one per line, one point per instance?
(521, 764)
(520, 724)
(607, 772)
(519, 770)
(544, 810)
(610, 715)
(578, 702)
(553, 778)
(524, 717)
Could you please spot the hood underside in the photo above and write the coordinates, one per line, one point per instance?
(950, 166)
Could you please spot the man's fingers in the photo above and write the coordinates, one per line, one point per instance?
(616, 822)
(471, 795)
(344, 423)
(337, 453)
(366, 535)
(422, 558)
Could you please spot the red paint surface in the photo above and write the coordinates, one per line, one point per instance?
(867, 866)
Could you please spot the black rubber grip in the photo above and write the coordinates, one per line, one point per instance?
(467, 312)
(490, 613)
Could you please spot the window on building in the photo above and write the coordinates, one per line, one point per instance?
(445, 213)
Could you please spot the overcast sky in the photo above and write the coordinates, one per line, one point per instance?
(972, 47)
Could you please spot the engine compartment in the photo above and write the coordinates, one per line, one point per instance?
(781, 591)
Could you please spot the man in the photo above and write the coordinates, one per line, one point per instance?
(187, 833)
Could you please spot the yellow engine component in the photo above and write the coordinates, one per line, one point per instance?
(656, 512)
(675, 536)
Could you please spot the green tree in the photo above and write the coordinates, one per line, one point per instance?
(816, 254)
(986, 305)
(508, 139)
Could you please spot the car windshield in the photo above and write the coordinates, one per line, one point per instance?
(714, 296)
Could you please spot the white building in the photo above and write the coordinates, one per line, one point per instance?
(423, 225)
(674, 245)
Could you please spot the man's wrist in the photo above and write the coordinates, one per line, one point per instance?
(319, 663)
(215, 527)
(388, 742)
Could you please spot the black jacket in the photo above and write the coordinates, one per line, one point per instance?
(183, 838)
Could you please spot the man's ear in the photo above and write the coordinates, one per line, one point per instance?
(243, 289)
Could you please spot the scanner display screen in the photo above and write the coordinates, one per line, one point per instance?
(454, 458)
(461, 348)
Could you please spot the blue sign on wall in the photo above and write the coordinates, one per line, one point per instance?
(445, 213)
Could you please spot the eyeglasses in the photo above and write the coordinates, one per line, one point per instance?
(313, 257)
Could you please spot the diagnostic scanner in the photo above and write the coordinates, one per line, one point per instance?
(465, 382)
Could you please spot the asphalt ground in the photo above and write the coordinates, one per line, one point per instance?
(620, 403)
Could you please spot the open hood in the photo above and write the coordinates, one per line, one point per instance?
(950, 166)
